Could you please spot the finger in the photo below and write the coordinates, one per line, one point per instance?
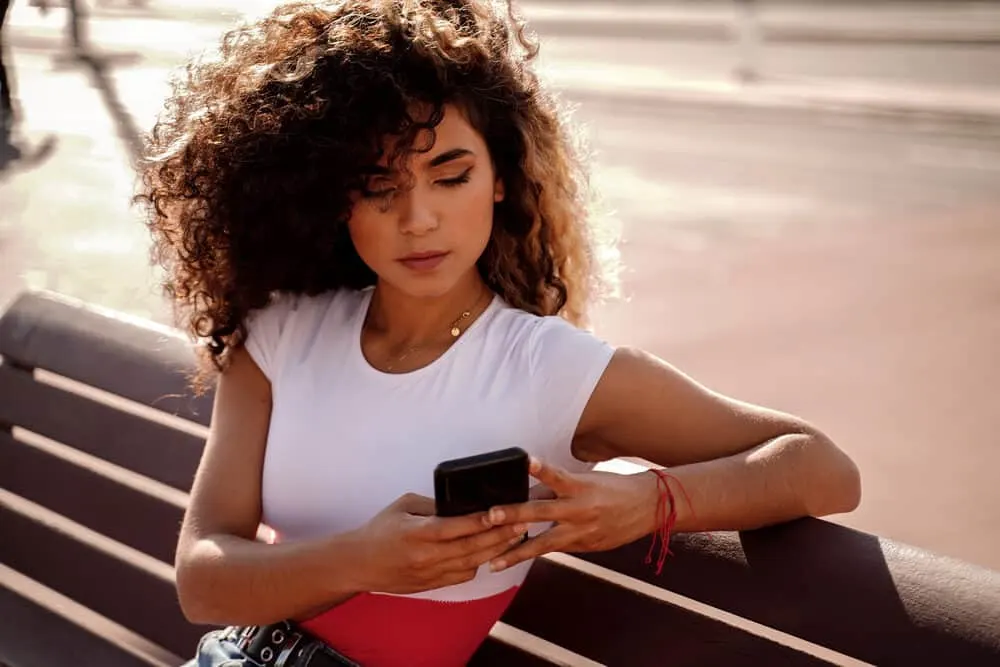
(487, 540)
(559, 480)
(554, 539)
(541, 492)
(456, 577)
(533, 511)
(447, 529)
(480, 556)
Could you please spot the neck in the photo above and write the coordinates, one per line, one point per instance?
(411, 319)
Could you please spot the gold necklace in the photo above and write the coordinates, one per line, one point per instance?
(455, 331)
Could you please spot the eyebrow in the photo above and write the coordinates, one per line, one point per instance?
(448, 156)
(436, 161)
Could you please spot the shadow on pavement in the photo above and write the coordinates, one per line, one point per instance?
(16, 155)
(99, 68)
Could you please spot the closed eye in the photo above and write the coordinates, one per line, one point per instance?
(378, 187)
(375, 194)
(457, 180)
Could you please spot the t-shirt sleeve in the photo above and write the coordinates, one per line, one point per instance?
(566, 363)
(265, 331)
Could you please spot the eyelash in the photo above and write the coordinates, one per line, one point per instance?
(461, 179)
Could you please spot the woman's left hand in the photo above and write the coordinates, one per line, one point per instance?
(593, 511)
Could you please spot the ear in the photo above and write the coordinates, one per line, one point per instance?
(498, 191)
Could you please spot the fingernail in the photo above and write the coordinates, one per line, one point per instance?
(520, 528)
(535, 465)
(498, 565)
(496, 516)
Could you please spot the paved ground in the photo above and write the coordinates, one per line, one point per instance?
(869, 310)
(837, 267)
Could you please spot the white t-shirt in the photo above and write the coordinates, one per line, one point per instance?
(346, 440)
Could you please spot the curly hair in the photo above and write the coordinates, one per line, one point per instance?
(248, 176)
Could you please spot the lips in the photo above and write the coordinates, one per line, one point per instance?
(424, 261)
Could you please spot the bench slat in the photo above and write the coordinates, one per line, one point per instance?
(615, 626)
(155, 450)
(99, 348)
(41, 628)
(124, 592)
(32, 636)
(495, 653)
(838, 588)
(89, 498)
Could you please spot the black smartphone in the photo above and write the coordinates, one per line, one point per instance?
(477, 483)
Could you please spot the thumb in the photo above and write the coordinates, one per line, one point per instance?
(414, 503)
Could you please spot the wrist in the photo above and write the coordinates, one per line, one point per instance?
(650, 490)
(676, 499)
(347, 574)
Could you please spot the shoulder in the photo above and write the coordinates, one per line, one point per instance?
(291, 321)
(555, 365)
(544, 341)
(285, 307)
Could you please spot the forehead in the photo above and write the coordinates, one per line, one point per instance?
(454, 131)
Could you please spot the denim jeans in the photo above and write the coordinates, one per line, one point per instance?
(213, 651)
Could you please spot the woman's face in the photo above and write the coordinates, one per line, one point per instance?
(425, 239)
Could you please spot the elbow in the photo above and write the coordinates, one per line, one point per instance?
(191, 595)
(198, 591)
(209, 592)
(832, 480)
(846, 493)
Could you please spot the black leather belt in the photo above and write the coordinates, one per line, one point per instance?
(284, 645)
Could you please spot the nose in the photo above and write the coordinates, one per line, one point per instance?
(417, 215)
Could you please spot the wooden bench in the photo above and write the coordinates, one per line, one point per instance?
(99, 441)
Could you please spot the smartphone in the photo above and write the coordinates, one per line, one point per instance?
(477, 483)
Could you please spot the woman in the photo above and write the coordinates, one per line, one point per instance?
(371, 212)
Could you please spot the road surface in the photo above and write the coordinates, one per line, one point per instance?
(687, 40)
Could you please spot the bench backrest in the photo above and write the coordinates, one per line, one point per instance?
(93, 482)
(99, 440)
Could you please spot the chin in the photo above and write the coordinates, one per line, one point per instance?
(426, 286)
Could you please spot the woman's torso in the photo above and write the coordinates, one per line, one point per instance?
(347, 440)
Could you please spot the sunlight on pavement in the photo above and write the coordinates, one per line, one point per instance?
(77, 232)
(689, 217)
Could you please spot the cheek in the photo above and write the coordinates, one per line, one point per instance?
(477, 218)
(366, 230)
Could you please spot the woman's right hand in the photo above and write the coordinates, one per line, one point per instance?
(409, 550)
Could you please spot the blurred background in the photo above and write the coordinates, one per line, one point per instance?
(808, 193)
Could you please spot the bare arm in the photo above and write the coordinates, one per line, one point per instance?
(224, 576)
(743, 466)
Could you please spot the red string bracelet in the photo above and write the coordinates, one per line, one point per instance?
(666, 517)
